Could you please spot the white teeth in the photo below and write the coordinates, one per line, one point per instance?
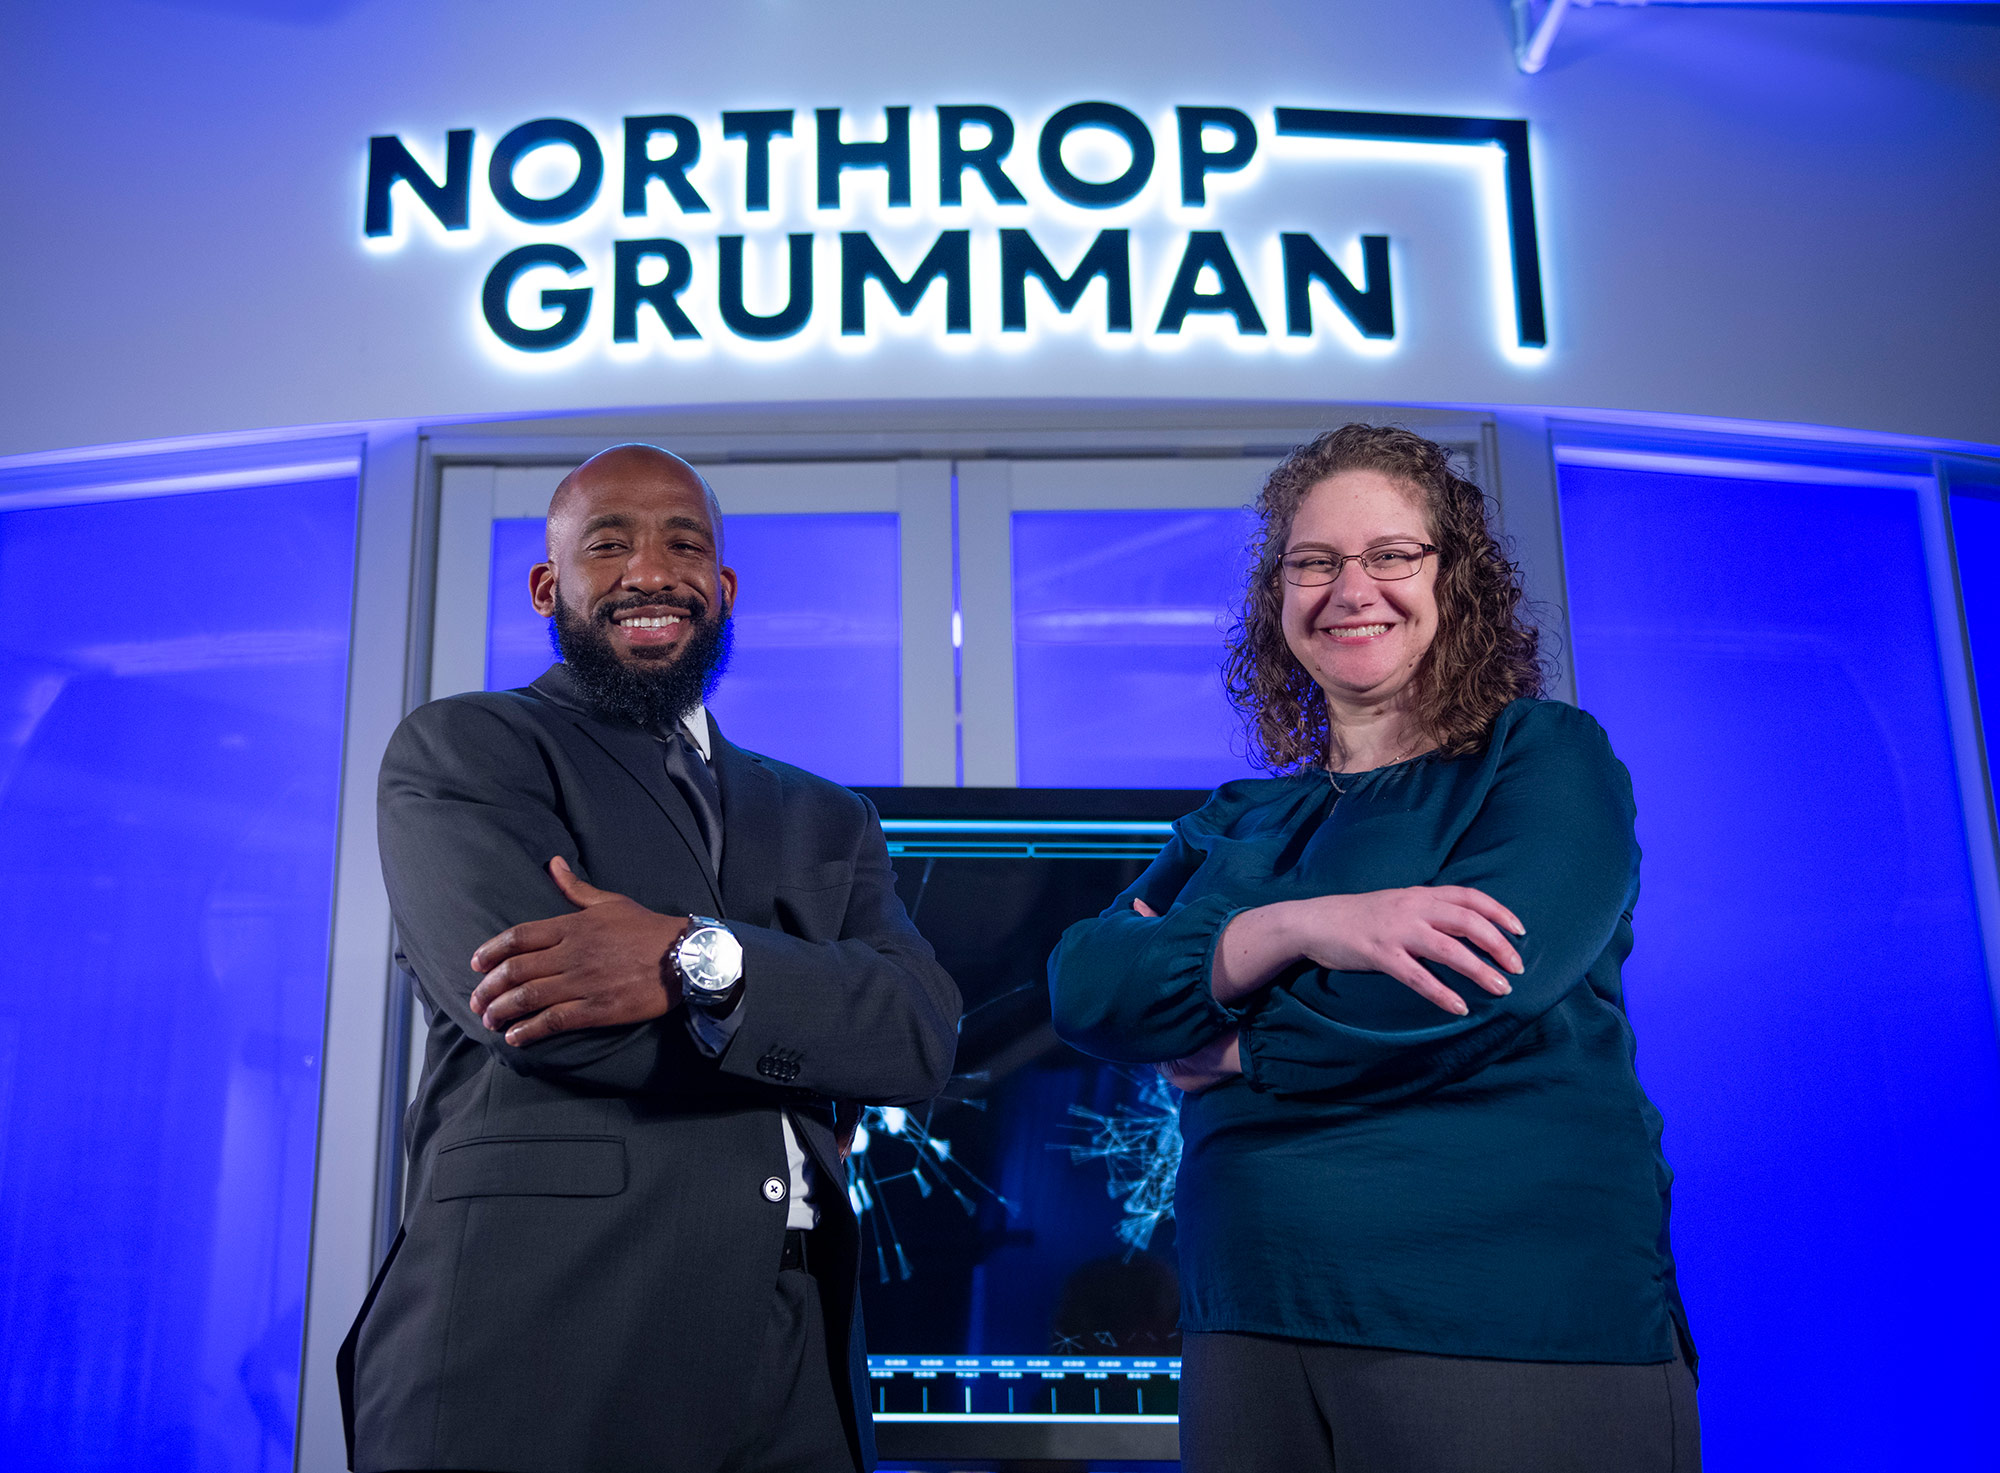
(650, 623)
(1359, 631)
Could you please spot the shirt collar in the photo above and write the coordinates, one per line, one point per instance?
(695, 724)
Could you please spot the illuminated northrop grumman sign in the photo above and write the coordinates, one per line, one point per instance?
(765, 231)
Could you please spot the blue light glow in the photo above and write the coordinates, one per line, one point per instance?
(168, 796)
(1118, 628)
(1808, 986)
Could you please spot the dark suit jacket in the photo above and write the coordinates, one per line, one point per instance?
(588, 1256)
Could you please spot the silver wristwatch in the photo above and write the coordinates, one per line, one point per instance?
(708, 959)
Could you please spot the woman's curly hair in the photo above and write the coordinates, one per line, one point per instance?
(1484, 655)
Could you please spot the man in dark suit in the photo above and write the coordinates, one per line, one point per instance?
(660, 973)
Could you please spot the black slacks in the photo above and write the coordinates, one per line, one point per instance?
(1251, 1403)
(794, 1423)
(796, 1426)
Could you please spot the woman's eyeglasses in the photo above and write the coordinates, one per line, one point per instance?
(1385, 564)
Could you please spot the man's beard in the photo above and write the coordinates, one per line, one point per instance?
(659, 692)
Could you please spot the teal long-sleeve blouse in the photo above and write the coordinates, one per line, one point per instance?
(1385, 1173)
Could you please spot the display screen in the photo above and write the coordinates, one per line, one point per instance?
(1018, 1262)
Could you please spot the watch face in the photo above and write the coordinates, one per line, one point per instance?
(711, 958)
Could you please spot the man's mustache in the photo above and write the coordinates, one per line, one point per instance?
(695, 609)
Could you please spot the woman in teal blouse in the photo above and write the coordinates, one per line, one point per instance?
(1422, 1205)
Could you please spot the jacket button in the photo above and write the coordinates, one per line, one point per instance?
(774, 1189)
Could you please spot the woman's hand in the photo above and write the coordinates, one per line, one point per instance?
(1210, 1065)
(1391, 931)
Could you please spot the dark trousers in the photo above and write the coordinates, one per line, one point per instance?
(1251, 1403)
(795, 1424)
(796, 1427)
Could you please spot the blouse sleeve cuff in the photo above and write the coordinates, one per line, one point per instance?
(1223, 1015)
(1249, 1060)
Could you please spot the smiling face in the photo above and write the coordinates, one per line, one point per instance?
(633, 548)
(635, 583)
(1360, 639)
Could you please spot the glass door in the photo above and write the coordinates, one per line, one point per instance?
(842, 660)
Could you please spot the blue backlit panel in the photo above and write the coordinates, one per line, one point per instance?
(816, 678)
(1118, 630)
(169, 775)
(1808, 986)
(518, 646)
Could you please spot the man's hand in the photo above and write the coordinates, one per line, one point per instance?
(605, 965)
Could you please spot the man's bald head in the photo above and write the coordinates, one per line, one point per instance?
(621, 465)
(634, 587)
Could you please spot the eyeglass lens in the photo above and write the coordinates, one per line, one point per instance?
(1391, 561)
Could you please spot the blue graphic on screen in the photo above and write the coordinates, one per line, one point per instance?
(816, 678)
(170, 755)
(1975, 526)
(1118, 640)
(1138, 1146)
(1808, 986)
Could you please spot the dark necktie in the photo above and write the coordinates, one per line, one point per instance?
(691, 774)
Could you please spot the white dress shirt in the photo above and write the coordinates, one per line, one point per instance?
(712, 1035)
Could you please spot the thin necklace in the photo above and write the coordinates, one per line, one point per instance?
(1392, 762)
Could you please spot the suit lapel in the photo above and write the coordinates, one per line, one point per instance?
(638, 752)
(750, 849)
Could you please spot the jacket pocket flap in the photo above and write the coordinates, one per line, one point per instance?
(829, 875)
(530, 1166)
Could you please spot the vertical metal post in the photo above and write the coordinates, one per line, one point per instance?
(986, 603)
(1968, 738)
(351, 1066)
(1521, 466)
(930, 708)
(464, 568)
